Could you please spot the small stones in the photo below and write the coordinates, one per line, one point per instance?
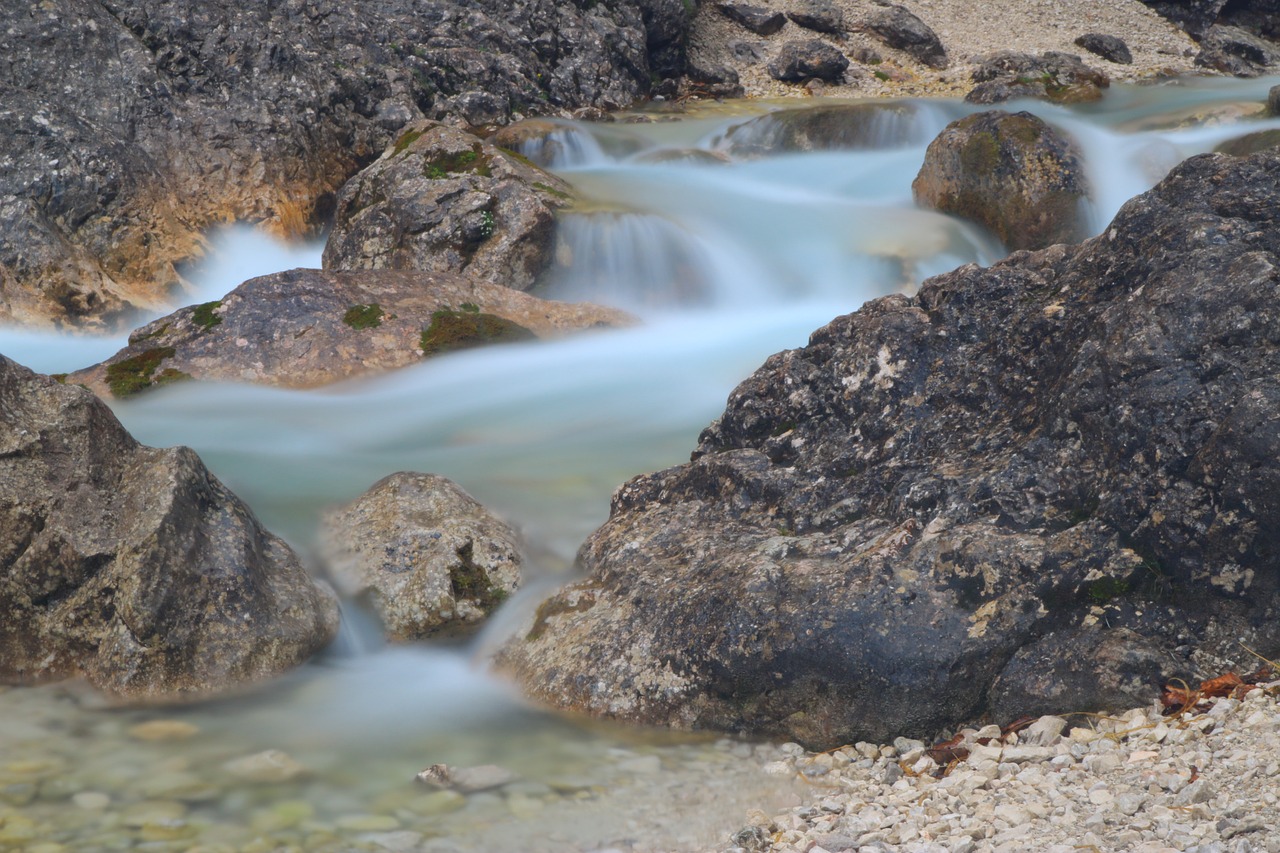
(466, 780)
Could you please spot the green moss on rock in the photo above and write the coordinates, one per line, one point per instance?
(204, 316)
(406, 139)
(134, 375)
(363, 316)
(473, 160)
(468, 580)
(455, 330)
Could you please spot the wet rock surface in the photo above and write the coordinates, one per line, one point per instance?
(305, 328)
(1052, 76)
(426, 555)
(133, 566)
(131, 125)
(1009, 172)
(1070, 455)
(832, 127)
(444, 200)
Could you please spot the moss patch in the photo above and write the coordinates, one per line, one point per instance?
(406, 139)
(133, 375)
(204, 316)
(1105, 589)
(456, 330)
(550, 190)
(473, 161)
(555, 606)
(363, 316)
(470, 581)
(60, 378)
(981, 153)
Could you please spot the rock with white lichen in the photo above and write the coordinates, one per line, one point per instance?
(1030, 488)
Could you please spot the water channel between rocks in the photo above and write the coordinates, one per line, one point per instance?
(727, 259)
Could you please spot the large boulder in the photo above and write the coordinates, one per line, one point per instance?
(444, 200)
(129, 126)
(1235, 51)
(304, 328)
(1062, 467)
(428, 557)
(1010, 172)
(1058, 77)
(133, 566)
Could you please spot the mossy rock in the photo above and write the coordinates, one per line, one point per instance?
(363, 316)
(1243, 146)
(135, 375)
(456, 330)
(204, 316)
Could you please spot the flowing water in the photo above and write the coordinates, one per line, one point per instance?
(727, 259)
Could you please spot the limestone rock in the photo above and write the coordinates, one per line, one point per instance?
(133, 566)
(798, 61)
(305, 328)
(899, 28)
(757, 19)
(130, 126)
(818, 15)
(443, 200)
(1010, 172)
(1110, 48)
(1079, 442)
(429, 557)
(831, 127)
(1059, 77)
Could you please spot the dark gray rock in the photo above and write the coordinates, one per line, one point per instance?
(429, 559)
(708, 79)
(798, 61)
(832, 127)
(128, 126)
(899, 28)
(1250, 143)
(757, 19)
(305, 328)
(818, 15)
(1235, 51)
(1110, 48)
(1193, 16)
(1059, 77)
(1072, 452)
(1273, 101)
(444, 200)
(1009, 172)
(133, 566)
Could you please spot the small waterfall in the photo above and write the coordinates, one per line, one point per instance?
(563, 148)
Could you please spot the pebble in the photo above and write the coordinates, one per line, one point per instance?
(1136, 782)
(162, 730)
(271, 765)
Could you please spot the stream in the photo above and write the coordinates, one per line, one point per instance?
(727, 259)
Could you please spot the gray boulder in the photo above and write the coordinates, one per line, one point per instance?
(428, 557)
(133, 566)
(1070, 456)
(821, 16)
(798, 61)
(443, 200)
(1009, 172)
(130, 126)
(1273, 101)
(1236, 51)
(757, 19)
(899, 28)
(1110, 48)
(1058, 77)
(305, 328)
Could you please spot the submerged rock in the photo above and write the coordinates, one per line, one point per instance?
(833, 127)
(443, 200)
(133, 566)
(1070, 456)
(428, 556)
(131, 126)
(1010, 172)
(305, 328)
(1058, 77)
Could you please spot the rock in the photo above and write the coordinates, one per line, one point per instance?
(429, 557)
(162, 120)
(1058, 77)
(832, 127)
(818, 15)
(443, 200)
(1009, 172)
(305, 328)
(163, 730)
(899, 28)
(1081, 439)
(798, 61)
(466, 780)
(706, 79)
(761, 21)
(266, 767)
(1194, 16)
(1235, 51)
(133, 566)
(1110, 48)
(1273, 101)
(1250, 143)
